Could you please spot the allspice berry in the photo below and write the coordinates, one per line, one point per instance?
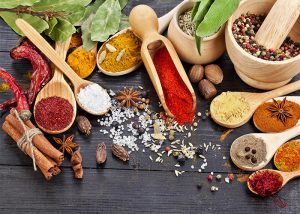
(196, 73)
(214, 73)
(207, 89)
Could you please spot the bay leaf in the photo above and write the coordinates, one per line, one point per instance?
(124, 22)
(202, 10)
(10, 18)
(106, 21)
(8, 4)
(62, 30)
(88, 44)
(217, 15)
(123, 3)
(44, 5)
(91, 9)
(52, 22)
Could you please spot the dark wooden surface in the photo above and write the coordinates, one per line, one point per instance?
(137, 186)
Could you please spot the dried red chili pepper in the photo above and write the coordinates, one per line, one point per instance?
(22, 104)
(41, 68)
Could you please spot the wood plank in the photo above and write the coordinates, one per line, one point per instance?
(126, 191)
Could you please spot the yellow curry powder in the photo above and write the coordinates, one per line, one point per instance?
(125, 41)
(82, 62)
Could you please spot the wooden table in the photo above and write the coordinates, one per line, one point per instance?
(140, 185)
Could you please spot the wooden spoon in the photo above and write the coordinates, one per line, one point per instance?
(144, 24)
(285, 177)
(57, 86)
(256, 99)
(46, 48)
(278, 23)
(163, 23)
(272, 140)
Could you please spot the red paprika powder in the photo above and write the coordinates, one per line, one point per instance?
(178, 98)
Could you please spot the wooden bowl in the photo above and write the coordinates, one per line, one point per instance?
(212, 47)
(257, 72)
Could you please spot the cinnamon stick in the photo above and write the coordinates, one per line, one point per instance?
(39, 141)
(41, 161)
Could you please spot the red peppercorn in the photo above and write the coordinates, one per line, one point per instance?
(271, 50)
(231, 177)
(168, 148)
(209, 177)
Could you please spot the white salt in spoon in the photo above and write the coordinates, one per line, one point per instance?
(163, 23)
(272, 140)
(78, 83)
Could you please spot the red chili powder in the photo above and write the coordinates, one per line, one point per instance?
(53, 113)
(178, 98)
(266, 182)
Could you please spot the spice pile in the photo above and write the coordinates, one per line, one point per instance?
(244, 29)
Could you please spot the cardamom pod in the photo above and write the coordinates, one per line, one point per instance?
(119, 152)
(84, 125)
(101, 153)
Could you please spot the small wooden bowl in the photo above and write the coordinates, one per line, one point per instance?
(212, 47)
(257, 72)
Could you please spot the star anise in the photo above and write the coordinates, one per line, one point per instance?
(67, 144)
(280, 110)
(129, 97)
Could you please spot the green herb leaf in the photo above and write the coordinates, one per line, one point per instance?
(91, 9)
(106, 21)
(123, 3)
(198, 43)
(195, 8)
(52, 22)
(217, 15)
(8, 4)
(124, 22)
(62, 30)
(88, 44)
(202, 10)
(10, 18)
(45, 5)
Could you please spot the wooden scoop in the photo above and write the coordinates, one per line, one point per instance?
(58, 86)
(273, 142)
(256, 99)
(144, 24)
(285, 177)
(46, 48)
(163, 23)
(278, 23)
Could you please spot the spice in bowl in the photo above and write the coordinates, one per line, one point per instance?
(229, 107)
(276, 116)
(249, 151)
(265, 182)
(287, 157)
(94, 98)
(186, 23)
(244, 30)
(120, 53)
(53, 113)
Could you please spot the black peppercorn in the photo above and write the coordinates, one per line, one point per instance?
(135, 125)
(199, 186)
(203, 117)
(144, 94)
(248, 156)
(247, 149)
(199, 151)
(141, 130)
(181, 158)
(115, 124)
(253, 151)
(253, 160)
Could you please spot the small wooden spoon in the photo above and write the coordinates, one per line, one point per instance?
(272, 140)
(256, 99)
(144, 24)
(163, 23)
(58, 87)
(285, 176)
(46, 48)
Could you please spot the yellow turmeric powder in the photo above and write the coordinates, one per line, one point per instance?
(127, 52)
(82, 62)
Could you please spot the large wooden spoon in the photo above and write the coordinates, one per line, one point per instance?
(58, 86)
(144, 24)
(285, 177)
(272, 141)
(256, 99)
(46, 48)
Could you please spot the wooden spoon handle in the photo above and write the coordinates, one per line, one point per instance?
(290, 175)
(278, 23)
(292, 87)
(46, 48)
(287, 135)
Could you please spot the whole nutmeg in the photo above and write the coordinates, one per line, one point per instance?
(196, 73)
(83, 125)
(207, 89)
(214, 73)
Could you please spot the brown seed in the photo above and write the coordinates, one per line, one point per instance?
(207, 89)
(214, 73)
(196, 73)
(119, 152)
(83, 125)
(101, 153)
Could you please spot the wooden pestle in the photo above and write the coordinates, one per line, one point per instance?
(278, 23)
